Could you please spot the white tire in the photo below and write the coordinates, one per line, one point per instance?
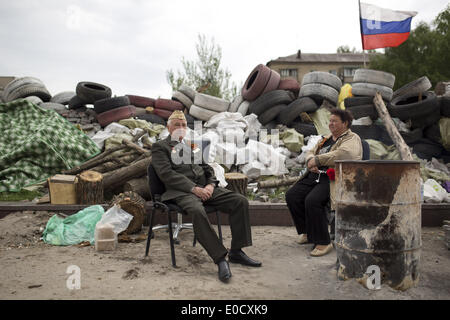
(235, 104)
(211, 103)
(187, 91)
(201, 113)
(243, 108)
(184, 99)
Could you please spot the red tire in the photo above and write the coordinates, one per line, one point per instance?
(290, 84)
(142, 102)
(167, 104)
(256, 82)
(274, 82)
(117, 114)
(165, 114)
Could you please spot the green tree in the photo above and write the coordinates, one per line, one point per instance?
(346, 49)
(205, 73)
(425, 53)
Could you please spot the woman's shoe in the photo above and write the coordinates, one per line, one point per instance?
(318, 253)
(303, 239)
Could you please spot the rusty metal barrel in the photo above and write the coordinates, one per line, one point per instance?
(378, 220)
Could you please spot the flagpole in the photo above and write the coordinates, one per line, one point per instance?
(362, 41)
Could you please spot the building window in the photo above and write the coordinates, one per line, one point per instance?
(349, 72)
(333, 72)
(288, 73)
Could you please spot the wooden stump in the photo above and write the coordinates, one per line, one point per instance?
(140, 186)
(134, 204)
(237, 182)
(89, 187)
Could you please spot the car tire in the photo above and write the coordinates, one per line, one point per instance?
(274, 81)
(211, 103)
(89, 92)
(268, 100)
(234, 105)
(367, 110)
(184, 99)
(413, 88)
(188, 92)
(408, 106)
(141, 102)
(256, 82)
(367, 132)
(295, 108)
(243, 108)
(323, 78)
(169, 105)
(115, 115)
(370, 89)
(201, 113)
(318, 91)
(152, 118)
(271, 113)
(107, 104)
(291, 85)
(63, 97)
(306, 129)
(374, 76)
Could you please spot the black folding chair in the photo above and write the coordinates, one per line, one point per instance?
(157, 188)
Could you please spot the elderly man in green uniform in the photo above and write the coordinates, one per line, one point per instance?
(191, 185)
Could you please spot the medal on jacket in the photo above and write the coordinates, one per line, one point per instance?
(194, 148)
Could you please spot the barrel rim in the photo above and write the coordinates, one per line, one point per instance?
(377, 161)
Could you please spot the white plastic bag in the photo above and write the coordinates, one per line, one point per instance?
(434, 193)
(117, 217)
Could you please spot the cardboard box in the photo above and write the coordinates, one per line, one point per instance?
(62, 189)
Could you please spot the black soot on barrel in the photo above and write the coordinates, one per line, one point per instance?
(378, 220)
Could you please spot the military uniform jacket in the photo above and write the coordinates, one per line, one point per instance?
(179, 179)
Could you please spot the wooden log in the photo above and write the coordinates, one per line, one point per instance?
(396, 137)
(237, 182)
(89, 188)
(133, 204)
(136, 147)
(120, 176)
(93, 162)
(287, 181)
(139, 186)
(112, 165)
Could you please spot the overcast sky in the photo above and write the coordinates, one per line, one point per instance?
(129, 45)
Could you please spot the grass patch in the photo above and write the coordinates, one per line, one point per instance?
(18, 196)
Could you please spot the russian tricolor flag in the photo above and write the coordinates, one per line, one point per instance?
(381, 28)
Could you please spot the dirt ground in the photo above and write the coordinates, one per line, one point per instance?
(31, 269)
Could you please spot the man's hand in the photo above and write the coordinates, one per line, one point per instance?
(202, 193)
(210, 189)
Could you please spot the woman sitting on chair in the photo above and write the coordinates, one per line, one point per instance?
(307, 199)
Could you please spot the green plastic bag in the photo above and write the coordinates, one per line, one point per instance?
(73, 229)
(321, 119)
(292, 140)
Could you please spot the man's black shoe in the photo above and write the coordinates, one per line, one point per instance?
(242, 258)
(224, 270)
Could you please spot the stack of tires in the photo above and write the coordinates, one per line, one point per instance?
(143, 104)
(25, 87)
(261, 81)
(413, 104)
(270, 105)
(366, 83)
(186, 96)
(205, 106)
(321, 86)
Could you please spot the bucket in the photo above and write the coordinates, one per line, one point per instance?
(378, 221)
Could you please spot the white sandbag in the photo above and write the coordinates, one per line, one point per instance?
(364, 121)
(219, 172)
